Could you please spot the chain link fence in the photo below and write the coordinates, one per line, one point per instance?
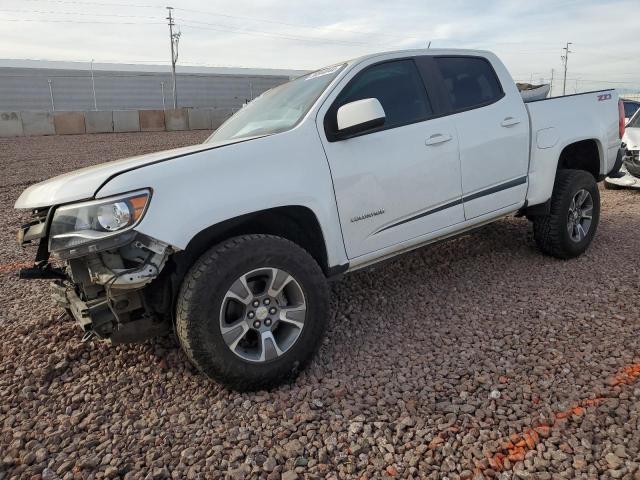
(26, 89)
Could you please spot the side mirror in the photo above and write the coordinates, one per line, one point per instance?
(359, 116)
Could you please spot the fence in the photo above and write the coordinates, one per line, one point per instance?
(42, 89)
(106, 121)
(631, 96)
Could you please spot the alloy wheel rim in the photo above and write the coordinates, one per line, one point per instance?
(580, 215)
(263, 314)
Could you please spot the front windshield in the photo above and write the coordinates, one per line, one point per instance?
(278, 109)
(635, 121)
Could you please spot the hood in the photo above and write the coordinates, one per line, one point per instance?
(84, 183)
(632, 138)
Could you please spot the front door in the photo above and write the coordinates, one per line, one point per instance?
(401, 180)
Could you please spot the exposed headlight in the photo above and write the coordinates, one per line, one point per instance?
(89, 222)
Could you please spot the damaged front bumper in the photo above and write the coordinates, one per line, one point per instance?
(115, 291)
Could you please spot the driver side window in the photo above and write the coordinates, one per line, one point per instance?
(398, 87)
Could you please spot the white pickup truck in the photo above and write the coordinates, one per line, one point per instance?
(231, 242)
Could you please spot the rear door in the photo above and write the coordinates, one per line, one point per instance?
(493, 134)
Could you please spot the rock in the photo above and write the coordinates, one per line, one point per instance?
(235, 455)
(28, 458)
(41, 455)
(613, 461)
(323, 457)
(48, 474)
(110, 472)
(355, 428)
(290, 475)
(301, 462)
(269, 464)
(159, 473)
(293, 448)
(89, 462)
(468, 439)
(558, 455)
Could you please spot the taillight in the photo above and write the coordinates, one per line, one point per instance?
(620, 118)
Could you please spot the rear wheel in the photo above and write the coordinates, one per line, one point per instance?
(569, 228)
(252, 311)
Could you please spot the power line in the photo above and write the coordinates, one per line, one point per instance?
(297, 25)
(78, 21)
(217, 27)
(225, 28)
(81, 14)
(102, 4)
(237, 17)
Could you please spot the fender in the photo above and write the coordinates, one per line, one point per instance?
(195, 192)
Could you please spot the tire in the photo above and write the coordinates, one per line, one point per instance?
(246, 358)
(552, 232)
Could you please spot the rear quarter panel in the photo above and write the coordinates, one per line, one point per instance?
(558, 122)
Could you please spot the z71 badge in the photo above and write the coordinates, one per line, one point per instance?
(604, 96)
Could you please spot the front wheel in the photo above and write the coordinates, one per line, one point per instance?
(252, 311)
(569, 228)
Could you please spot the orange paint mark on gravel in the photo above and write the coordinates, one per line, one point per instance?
(627, 375)
(518, 445)
(10, 267)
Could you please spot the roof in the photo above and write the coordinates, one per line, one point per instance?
(424, 51)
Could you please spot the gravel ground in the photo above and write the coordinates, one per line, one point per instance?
(475, 358)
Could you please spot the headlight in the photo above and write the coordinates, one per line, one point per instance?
(89, 222)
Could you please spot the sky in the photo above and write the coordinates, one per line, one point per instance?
(527, 35)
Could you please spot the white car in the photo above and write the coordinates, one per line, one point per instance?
(630, 108)
(632, 141)
(231, 242)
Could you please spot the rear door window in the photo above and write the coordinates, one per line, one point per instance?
(470, 82)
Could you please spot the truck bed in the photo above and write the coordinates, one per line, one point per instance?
(559, 121)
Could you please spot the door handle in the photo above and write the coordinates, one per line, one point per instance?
(509, 122)
(437, 138)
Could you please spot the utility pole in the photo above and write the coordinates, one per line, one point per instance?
(565, 60)
(174, 38)
(429, 45)
(53, 105)
(551, 84)
(93, 87)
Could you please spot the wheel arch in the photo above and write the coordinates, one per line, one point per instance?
(586, 154)
(296, 223)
